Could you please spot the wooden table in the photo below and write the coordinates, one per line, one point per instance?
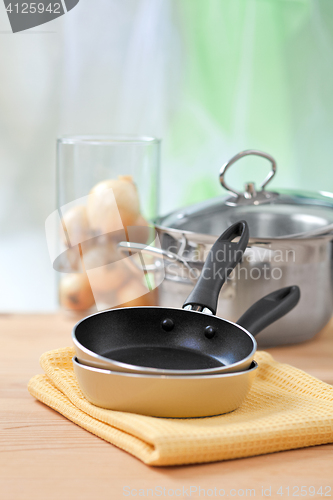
(45, 456)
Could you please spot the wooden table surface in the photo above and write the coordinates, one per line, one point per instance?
(45, 456)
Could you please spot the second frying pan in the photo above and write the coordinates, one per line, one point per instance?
(168, 396)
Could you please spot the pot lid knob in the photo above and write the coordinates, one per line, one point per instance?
(250, 196)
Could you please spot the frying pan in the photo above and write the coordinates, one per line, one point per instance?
(189, 341)
(167, 396)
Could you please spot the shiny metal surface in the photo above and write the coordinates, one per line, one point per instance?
(267, 266)
(285, 218)
(250, 192)
(164, 396)
(127, 248)
(290, 243)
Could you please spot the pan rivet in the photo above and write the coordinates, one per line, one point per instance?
(167, 324)
(209, 332)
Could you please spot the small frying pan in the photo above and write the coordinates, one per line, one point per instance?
(188, 341)
(168, 396)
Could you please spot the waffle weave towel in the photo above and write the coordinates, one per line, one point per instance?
(285, 409)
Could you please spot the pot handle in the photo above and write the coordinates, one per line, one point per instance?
(269, 309)
(235, 158)
(222, 258)
(127, 248)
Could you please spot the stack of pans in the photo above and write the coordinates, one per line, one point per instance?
(169, 362)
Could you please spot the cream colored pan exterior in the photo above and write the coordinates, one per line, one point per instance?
(164, 396)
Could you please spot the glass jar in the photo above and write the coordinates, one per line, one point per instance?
(107, 193)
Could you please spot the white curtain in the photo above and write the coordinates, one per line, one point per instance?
(211, 77)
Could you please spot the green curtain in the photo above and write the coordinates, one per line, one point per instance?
(256, 74)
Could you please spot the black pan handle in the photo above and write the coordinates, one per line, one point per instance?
(223, 257)
(269, 309)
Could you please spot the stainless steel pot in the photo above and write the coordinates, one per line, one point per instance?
(290, 243)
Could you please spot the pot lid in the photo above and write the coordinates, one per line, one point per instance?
(269, 214)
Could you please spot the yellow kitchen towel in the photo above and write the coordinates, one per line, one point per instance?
(285, 409)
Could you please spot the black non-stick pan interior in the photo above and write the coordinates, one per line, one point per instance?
(164, 338)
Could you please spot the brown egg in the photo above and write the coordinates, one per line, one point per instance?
(135, 289)
(108, 278)
(139, 232)
(101, 253)
(75, 292)
(104, 215)
(69, 260)
(75, 225)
